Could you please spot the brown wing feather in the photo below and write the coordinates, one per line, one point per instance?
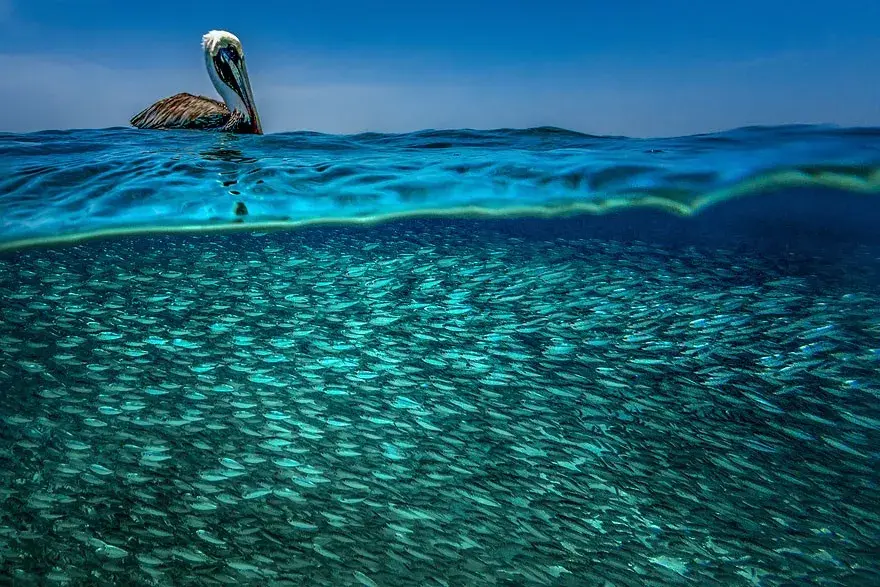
(183, 111)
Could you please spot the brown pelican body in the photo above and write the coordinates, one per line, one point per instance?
(226, 67)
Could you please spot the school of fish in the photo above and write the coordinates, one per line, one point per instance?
(434, 406)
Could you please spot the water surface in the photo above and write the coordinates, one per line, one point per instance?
(62, 186)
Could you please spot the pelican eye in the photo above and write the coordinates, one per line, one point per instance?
(231, 53)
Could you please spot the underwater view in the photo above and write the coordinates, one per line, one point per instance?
(443, 358)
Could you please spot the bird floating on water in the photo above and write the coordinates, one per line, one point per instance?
(226, 67)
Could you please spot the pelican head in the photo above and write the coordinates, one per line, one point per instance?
(225, 60)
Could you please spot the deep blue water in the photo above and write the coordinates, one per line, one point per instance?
(64, 184)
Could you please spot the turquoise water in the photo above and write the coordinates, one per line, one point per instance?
(62, 185)
(506, 358)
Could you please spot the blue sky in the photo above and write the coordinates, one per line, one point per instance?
(634, 67)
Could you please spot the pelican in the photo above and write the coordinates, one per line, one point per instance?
(226, 67)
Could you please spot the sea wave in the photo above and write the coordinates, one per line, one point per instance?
(62, 186)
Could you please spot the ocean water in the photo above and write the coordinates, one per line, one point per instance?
(466, 358)
(64, 186)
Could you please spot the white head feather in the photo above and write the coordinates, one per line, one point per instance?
(213, 41)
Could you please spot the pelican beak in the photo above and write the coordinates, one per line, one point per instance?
(231, 68)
